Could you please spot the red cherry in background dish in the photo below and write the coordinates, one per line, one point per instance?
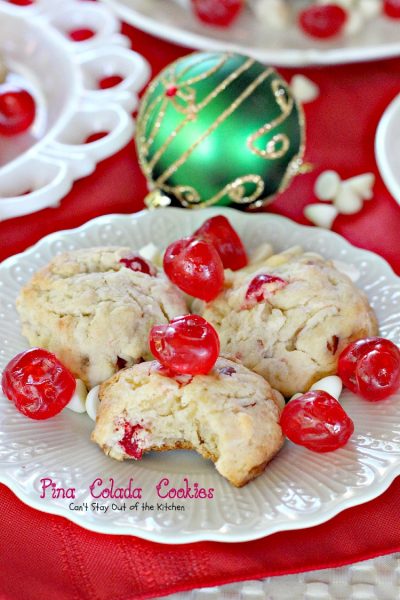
(220, 13)
(38, 383)
(323, 22)
(188, 345)
(220, 233)
(391, 8)
(317, 421)
(17, 109)
(371, 368)
(195, 267)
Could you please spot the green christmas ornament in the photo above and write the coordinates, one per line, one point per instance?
(218, 129)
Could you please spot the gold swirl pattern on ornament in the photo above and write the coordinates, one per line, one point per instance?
(193, 110)
(236, 192)
(222, 117)
(279, 144)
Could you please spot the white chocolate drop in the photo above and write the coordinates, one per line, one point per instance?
(322, 215)
(332, 385)
(347, 269)
(362, 185)
(273, 13)
(347, 201)
(355, 22)
(77, 402)
(370, 8)
(93, 402)
(327, 185)
(303, 89)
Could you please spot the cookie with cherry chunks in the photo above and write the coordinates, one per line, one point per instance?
(219, 232)
(195, 267)
(38, 383)
(187, 345)
(371, 368)
(317, 421)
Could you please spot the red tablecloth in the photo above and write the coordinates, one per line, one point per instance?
(42, 556)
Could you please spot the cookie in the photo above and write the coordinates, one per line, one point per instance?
(230, 416)
(293, 329)
(94, 313)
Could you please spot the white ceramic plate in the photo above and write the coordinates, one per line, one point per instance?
(38, 168)
(167, 19)
(387, 147)
(299, 489)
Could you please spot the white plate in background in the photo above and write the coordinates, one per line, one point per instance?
(387, 147)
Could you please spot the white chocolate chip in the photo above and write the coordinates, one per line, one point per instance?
(77, 402)
(354, 23)
(362, 185)
(370, 8)
(327, 185)
(347, 201)
(262, 252)
(93, 402)
(347, 269)
(273, 13)
(322, 215)
(303, 89)
(150, 252)
(333, 385)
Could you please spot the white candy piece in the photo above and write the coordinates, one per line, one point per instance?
(322, 215)
(362, 185)
(327, 185)
(370, 8)
(347, 201)
(347, 269)
(273, 13)
(303, 89)
(355, 22)
(93, 402)
(152, 253)
(333, 385)
(77, 402)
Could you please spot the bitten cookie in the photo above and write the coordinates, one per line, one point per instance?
(230, 416)
(288, 317)
(95, 313)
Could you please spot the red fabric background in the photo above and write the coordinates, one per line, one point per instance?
(43, 556)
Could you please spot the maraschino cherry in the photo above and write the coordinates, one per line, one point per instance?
(135, 262)
(371, 368)
(220, 233)
(317, 421)
(38, 383)
(195, 267)
(188, 345)
(262, 286)
(324, 21)
(220, 13)
(17, 109)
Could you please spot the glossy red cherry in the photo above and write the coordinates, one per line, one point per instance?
(371, 368)
(130, 442)
(195, 267)
(323, 21)
(134, 262)
(221, 13)
(220, 233)
(317, 421)
(38, 384)
(262, 286)
(110, 81)
(22, 2)
(81, 35)
(188, 345)
(391, 8)
(17, 109)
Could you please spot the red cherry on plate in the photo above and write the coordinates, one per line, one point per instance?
(262, 286)
(134, 262)
(391, 8)
(110, 81)
(38, 383)
(81, 35)
(221, 13)
(188, 345)
(21, 2)
(371, 368)
(195, 267)
(17, 109)
(317, 421)
(220, 233)
(324, 21)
